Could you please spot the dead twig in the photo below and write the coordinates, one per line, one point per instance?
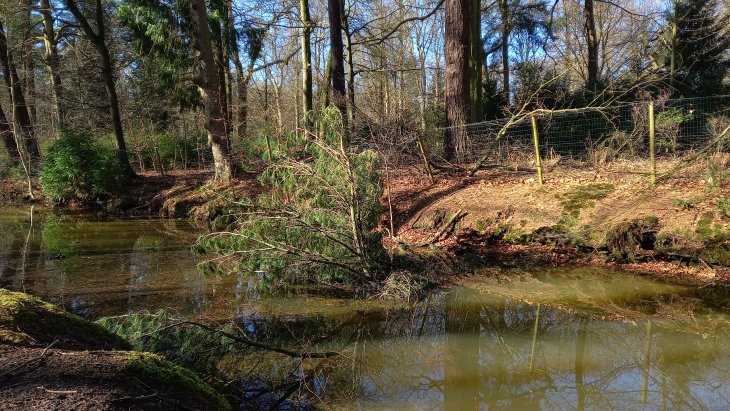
(57, 391)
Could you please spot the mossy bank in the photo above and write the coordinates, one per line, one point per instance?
(56, 360)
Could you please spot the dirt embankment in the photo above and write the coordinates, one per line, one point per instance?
(50, 359)
(678, 230)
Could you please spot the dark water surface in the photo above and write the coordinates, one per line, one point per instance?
(588, 339)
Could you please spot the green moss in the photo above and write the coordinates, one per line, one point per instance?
(152, 367)
(687, 204)
(25, 319)
(709, 231)
(515, 235)
(582, 197)
(723, 207)
(14, 337)
(482, 225)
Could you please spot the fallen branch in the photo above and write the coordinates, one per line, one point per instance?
(446, 228)
(251, 343)
(56, 391)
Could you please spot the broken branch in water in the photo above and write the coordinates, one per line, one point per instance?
(251, 343)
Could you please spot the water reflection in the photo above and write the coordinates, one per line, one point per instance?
(598, 339)
(94, 266)
(465, 349)
(468, 350)
(579, 363)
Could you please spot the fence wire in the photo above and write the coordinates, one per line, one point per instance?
(613, 138)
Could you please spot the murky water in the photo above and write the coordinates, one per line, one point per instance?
(587, 339)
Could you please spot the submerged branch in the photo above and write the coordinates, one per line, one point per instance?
(251, 343)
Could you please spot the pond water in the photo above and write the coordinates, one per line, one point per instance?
(578, 338)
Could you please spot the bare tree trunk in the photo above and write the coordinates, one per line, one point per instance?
(337, 91)
(25, 131)
(209, 88)
(327, 82)
(242, 80)
(476, 60)
(592, 45)
(51, 60)
(6, 134)
(504, 11)
(26, 53)
(221, 63)
(457, 48)
(350, 67)
(107, 71)
(307, 106)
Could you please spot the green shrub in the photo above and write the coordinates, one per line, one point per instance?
(79, 167)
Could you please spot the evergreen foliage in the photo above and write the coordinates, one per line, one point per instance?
(79, 167)
(191, 347)
(700, 44)
(318, 222)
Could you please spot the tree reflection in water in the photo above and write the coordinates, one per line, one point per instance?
(459, 349)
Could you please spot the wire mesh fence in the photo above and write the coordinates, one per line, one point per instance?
(615, 138)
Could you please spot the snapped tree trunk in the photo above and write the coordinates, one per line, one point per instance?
(51, 60)
(209, 88)
(591, 45)
(307, 106)
(457, 50)
(23, 126)
(338, 94)
(98, 39)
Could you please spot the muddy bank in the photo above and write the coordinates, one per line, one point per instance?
(55, 360)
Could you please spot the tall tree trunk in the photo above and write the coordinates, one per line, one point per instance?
(242, 80)
(476, 60)
(221, 63)
(6, 135)
(229, 38)
(504, 11)
(209, 88)
(107, 71)
(307, 106)
(338, 93)
(26, 53)
(24, 129)
(591, 45)
(327, 82)
(51, 60)
(350, 67)
(457, 49)
(114, 110)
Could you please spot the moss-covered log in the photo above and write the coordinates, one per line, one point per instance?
(31, 322)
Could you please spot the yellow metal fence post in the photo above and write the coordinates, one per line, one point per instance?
(535, 140)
